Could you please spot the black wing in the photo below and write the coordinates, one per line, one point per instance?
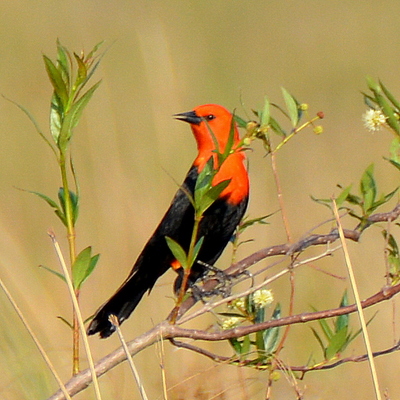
(217, 227)
(154, 260)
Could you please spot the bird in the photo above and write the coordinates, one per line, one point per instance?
(211, 126)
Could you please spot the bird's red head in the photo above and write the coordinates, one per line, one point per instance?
(212, 120)
(208, 120)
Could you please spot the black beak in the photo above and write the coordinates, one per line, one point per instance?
(191, 117)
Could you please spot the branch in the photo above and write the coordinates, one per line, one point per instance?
(164, 330)
(302, 369)
(361, 358)
(295, 248)
(384, 294)
(82, 380)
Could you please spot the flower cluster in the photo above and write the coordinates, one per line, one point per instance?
(262, 298)
(256, 301)
(231, 322)
(373, 119)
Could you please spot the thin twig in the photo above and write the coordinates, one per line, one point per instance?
(335, 364)
(358, 303)
(114, 320)
(162, 367)
(280, 197)
(35, 340)
(210, 306)
(77, 312)
(303, 369)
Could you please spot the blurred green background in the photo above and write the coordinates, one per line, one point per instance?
(166, 57)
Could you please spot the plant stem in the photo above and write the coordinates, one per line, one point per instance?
(186, 271)
(360, 311)
(69, 219)
(280, 197)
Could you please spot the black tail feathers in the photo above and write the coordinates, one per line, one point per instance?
(121, 305)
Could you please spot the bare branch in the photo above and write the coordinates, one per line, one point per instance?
(361, 358)
(280, 365)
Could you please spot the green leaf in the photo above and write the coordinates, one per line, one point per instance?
(83, 266)
(204, 193)
(319, 339)
(324, 202)
(66, 322)
(197, 248)
(395, 149)
(265, 114)
(210, 196)
(73, 116)
(247, 223)
(177, 251)
(369, 101)
(246, 343)
(374, 86)
(74, 202)
(389, 95)
(204, 180)
(384, 105)
(80, 266)
(343, 195)
(56, 117)
(395, 163)
(34, 122)
(353, 336)
(231, 314)
(281, 109)
(393, 246)
(47, 199)
(237, 345)
(63, 62)
(91, 71)
(393, 257)
(391, 117)
(240, 121)
(353, 199)
(82, 71)
(383, 199)
(271, 335)
(338, 341)
(259, 343)
(325, 328)
(94, 50)
(327, 331)
(92, 265)
(342, 321)
(56, 273)
(276, 127)
(59, 212)
(229, 145)
(292, 107)
(259, 314)
(57, 81)
(76, 183)
(368, 188)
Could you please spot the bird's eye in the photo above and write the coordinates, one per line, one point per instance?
(209, 117)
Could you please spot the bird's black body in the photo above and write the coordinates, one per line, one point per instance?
(217, 227)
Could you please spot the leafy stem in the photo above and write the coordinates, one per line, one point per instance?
(69, 213)
(68, 75)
